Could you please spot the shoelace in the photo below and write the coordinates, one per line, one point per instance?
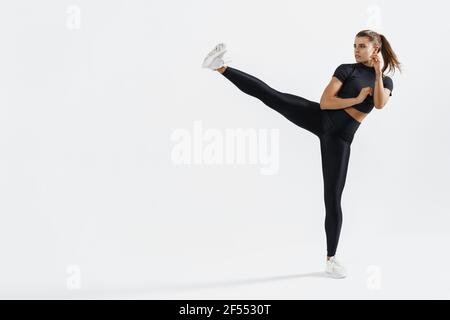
(216, 49)
(337, 264)
(334, 261)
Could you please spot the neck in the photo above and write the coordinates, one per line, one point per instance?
(367, 64)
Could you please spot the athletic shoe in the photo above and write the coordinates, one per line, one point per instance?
(335, 269)
(214, 60)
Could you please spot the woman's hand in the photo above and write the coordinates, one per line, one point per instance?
(376, 62)
(364, 93)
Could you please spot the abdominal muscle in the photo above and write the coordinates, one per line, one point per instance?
(356, 114)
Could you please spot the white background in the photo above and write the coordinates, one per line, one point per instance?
(93, 206)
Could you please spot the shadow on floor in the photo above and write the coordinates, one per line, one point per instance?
(163, 288)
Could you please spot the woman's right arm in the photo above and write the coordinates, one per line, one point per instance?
(330, 100)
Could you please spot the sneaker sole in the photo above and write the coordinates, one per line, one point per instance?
(335, 276)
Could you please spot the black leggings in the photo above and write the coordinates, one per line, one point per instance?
(334, 128)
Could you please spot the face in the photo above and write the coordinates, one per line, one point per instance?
(363, 49)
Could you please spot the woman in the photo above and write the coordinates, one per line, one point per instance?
(354, 89)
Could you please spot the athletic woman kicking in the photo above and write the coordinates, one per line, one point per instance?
(353, 91)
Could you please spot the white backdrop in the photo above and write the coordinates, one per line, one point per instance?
(96, 97)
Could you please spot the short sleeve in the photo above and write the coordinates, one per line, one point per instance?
(387, 83)
(342, 72)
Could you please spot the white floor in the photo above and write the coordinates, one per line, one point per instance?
(390, 268)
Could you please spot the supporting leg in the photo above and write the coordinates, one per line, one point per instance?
(335, 153)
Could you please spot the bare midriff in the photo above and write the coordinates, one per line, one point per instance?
(355, 114)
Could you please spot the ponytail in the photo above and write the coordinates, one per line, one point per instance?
(389, 56)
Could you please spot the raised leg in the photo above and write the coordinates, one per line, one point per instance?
(302, 112)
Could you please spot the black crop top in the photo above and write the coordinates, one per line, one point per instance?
(356, 76)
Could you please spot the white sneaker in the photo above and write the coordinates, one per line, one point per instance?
(214, 60)
(335, 269)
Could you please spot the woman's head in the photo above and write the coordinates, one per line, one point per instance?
(367, 42)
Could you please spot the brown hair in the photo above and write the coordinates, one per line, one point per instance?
(389, 56)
